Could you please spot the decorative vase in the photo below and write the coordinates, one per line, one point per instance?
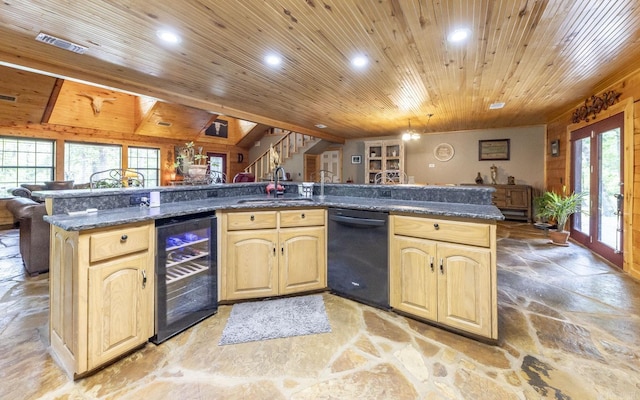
(197, 172)
(559, 238)
(479, 179)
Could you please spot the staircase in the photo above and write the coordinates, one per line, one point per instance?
(287, 146)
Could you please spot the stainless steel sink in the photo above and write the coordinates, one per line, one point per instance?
(276, 200)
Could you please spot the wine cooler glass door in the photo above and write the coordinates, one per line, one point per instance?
(186, 273)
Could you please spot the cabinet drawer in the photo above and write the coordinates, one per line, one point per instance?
(295, 218)
(499, 198)
(442, 230)
(118, 242)
(251, 220)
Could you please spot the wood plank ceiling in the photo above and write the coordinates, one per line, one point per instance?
(538, 57)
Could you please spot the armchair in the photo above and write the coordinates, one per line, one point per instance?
(34, 233)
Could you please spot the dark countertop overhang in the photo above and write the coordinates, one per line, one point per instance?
(118, 216)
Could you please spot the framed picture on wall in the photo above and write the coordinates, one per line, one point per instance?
(492, 150)
(356, 159)
(219, 128)
(555, 148)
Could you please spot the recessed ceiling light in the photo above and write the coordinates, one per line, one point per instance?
(359, 61)
(459, 35)
(496, 106)
(320, 126)
(273, 59)
(168, 36)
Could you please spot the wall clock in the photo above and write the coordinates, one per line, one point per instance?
(443, 152)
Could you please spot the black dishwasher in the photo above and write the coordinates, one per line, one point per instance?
(357, 259)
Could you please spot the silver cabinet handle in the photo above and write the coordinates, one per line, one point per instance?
(442, 266)
(144, 279)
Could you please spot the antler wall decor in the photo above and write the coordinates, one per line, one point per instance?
(97, 101)
(593, 105)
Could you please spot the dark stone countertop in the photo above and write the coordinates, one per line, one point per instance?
(118, 216)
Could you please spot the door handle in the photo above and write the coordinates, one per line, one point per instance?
(442, 266)
(431, 264)
(144, 279)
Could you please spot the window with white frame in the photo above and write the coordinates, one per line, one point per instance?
(25, 160)
(146, 161)
(83, 159)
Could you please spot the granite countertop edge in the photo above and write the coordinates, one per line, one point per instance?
(114, 217)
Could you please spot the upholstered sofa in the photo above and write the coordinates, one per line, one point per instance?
(34, 233)
(25, 189)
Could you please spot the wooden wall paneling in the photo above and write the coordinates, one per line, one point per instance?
(75, 107)
(186, 123)
(32, 91)
(634, 261)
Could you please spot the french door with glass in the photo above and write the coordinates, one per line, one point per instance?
(217, 167)
(598, 169)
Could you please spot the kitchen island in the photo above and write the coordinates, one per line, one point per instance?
(442, 263)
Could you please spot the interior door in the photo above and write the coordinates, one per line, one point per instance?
(331, 160)
(598, 169)
(311, 163)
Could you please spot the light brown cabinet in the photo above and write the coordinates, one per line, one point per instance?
(101, 294)
(445, 271)
(384, 161)
(269, 253)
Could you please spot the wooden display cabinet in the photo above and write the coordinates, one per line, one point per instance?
(381, 156)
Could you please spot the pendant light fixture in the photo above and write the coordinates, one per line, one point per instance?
(410, 134)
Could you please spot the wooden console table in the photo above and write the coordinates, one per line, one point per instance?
(514, 201)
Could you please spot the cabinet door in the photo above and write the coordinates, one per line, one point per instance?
(464, 288)
(413, 277)
(120, 307)
(516, 198)
(303, 259)
(251, 267)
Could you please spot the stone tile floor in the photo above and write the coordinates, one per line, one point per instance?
(569, 329)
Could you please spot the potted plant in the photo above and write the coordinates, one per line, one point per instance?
(559, 207)
(191, 161)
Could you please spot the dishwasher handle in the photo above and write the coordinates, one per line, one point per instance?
(354, 221)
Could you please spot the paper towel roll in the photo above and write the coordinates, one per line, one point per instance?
(155, 199)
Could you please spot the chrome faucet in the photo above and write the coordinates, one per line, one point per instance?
(275, 177)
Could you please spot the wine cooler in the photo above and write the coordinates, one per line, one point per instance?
(186, 273)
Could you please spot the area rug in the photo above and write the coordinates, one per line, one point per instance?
(270, 319)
